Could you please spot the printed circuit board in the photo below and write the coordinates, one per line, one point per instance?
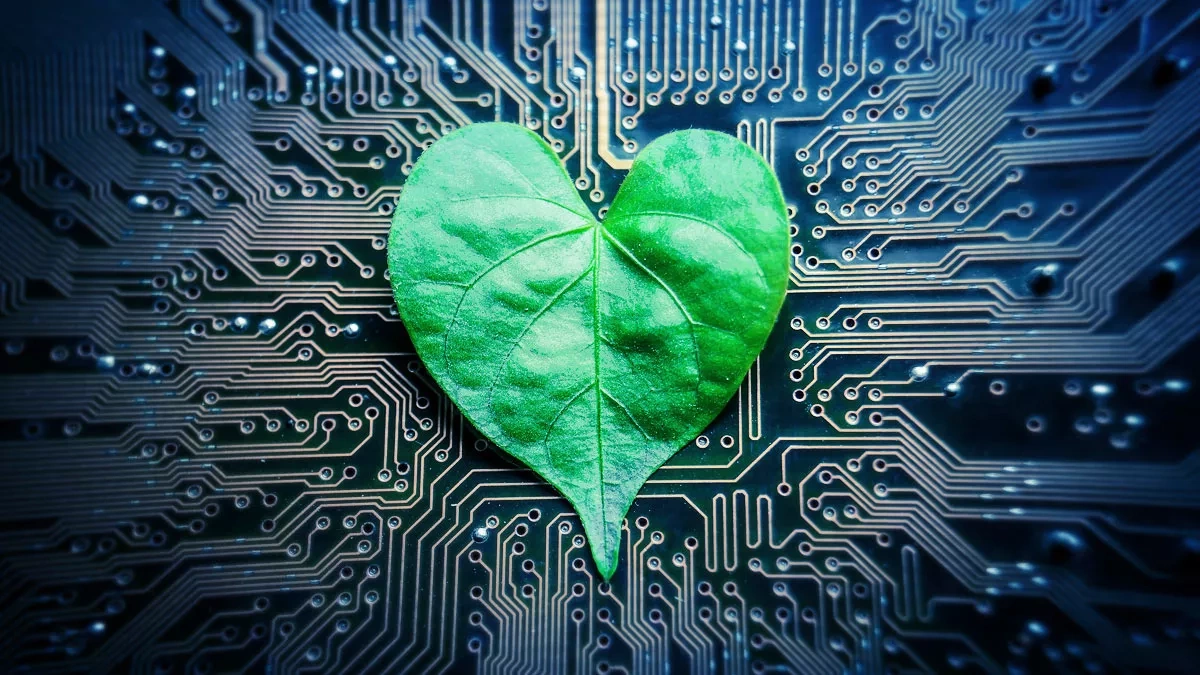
(970, 444)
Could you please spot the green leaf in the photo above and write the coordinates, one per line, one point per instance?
(591, 351)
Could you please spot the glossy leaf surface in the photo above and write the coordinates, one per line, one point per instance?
(591, 351)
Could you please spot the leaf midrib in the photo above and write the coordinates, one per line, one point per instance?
(597, 230)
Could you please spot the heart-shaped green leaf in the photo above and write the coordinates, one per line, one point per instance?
(591, 351)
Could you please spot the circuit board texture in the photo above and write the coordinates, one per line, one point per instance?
(970, 444)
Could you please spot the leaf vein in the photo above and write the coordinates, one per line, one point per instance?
(671, 292)
(562, 411)
(628, 414)
(733, 240)
(525, 329)
(532, 198)
(479, 277)
(599, 386)
(504, 160)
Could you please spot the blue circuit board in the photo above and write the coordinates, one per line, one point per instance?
(971, 443)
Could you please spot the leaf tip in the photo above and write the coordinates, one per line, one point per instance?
(606, 562)
(605, 541)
